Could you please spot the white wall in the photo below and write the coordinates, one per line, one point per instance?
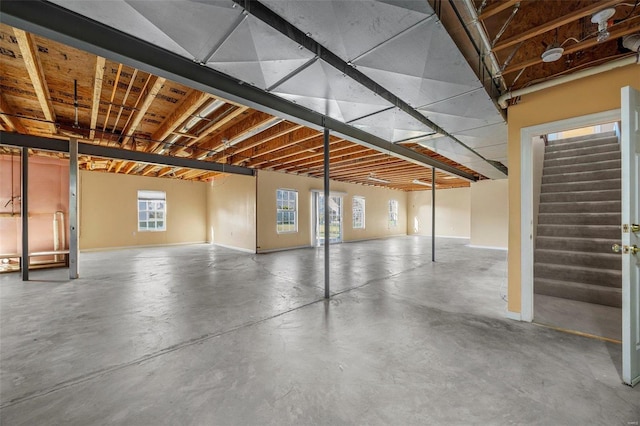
(453, 213)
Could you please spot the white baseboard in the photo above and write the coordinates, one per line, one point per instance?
(514, 315)
(488, 247)
(246, 250)
(140, 246)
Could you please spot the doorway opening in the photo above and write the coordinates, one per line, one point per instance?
(335, 219)
(577, 280)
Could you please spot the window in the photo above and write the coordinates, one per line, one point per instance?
(287, 207)
(393, 213)
(358, 212)
(152, 211)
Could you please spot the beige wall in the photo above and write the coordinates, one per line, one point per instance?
(490, 213)
(108, 211)
(453, 212)
(376, 210)
(232, 211)
(578, 98)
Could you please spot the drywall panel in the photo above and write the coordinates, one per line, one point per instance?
(109, 211)
(376, 210)
(589, 95)
(232, 211)
(453, 212)
(490, 213)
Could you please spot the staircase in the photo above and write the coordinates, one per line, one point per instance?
(578, 221)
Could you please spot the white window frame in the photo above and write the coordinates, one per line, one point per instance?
(393, 213)
(152, 211)
(289, 207)
(358, 217)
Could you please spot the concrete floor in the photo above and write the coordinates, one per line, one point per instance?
(589, 318)
(201, 335)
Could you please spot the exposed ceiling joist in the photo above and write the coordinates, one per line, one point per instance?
(34, 68)
(279, 146)
(97, 91)
(497, 8)
(156, 85)
(245, 127)
(551, 25)
(238, 111)
(186, 109)
(268, 137)
(590, 42)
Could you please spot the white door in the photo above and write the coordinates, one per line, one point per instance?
(630, 147)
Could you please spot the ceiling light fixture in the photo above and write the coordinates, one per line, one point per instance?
(632, 42)
(375, 179)
(553, 52)
(419, 182)
(602, 19)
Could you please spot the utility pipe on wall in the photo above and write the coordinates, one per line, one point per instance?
(504, 99)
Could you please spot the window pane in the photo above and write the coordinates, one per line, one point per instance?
(151, 210)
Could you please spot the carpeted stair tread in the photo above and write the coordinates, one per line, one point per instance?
(579, 152)
(587, 260)
(578, 219)
(582, 231)
(582, 138)
(594, 185)
(588, 158)
(579, 274)
(554, 146)
(581, 207)
(583, 167)
(590, 245)
(608, 296)
(583, 176)
(578, 196)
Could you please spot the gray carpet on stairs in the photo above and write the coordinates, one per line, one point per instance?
(578, 221)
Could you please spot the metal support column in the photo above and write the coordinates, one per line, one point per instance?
(433, 214)
(73, 208)
(326, 215)
(24, 212)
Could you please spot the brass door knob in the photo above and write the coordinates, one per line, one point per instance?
(616, 248)
(634, 249)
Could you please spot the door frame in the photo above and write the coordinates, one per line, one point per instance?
(526, 197)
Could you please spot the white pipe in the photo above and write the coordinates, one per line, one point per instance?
(504, 99)
(485, 40)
